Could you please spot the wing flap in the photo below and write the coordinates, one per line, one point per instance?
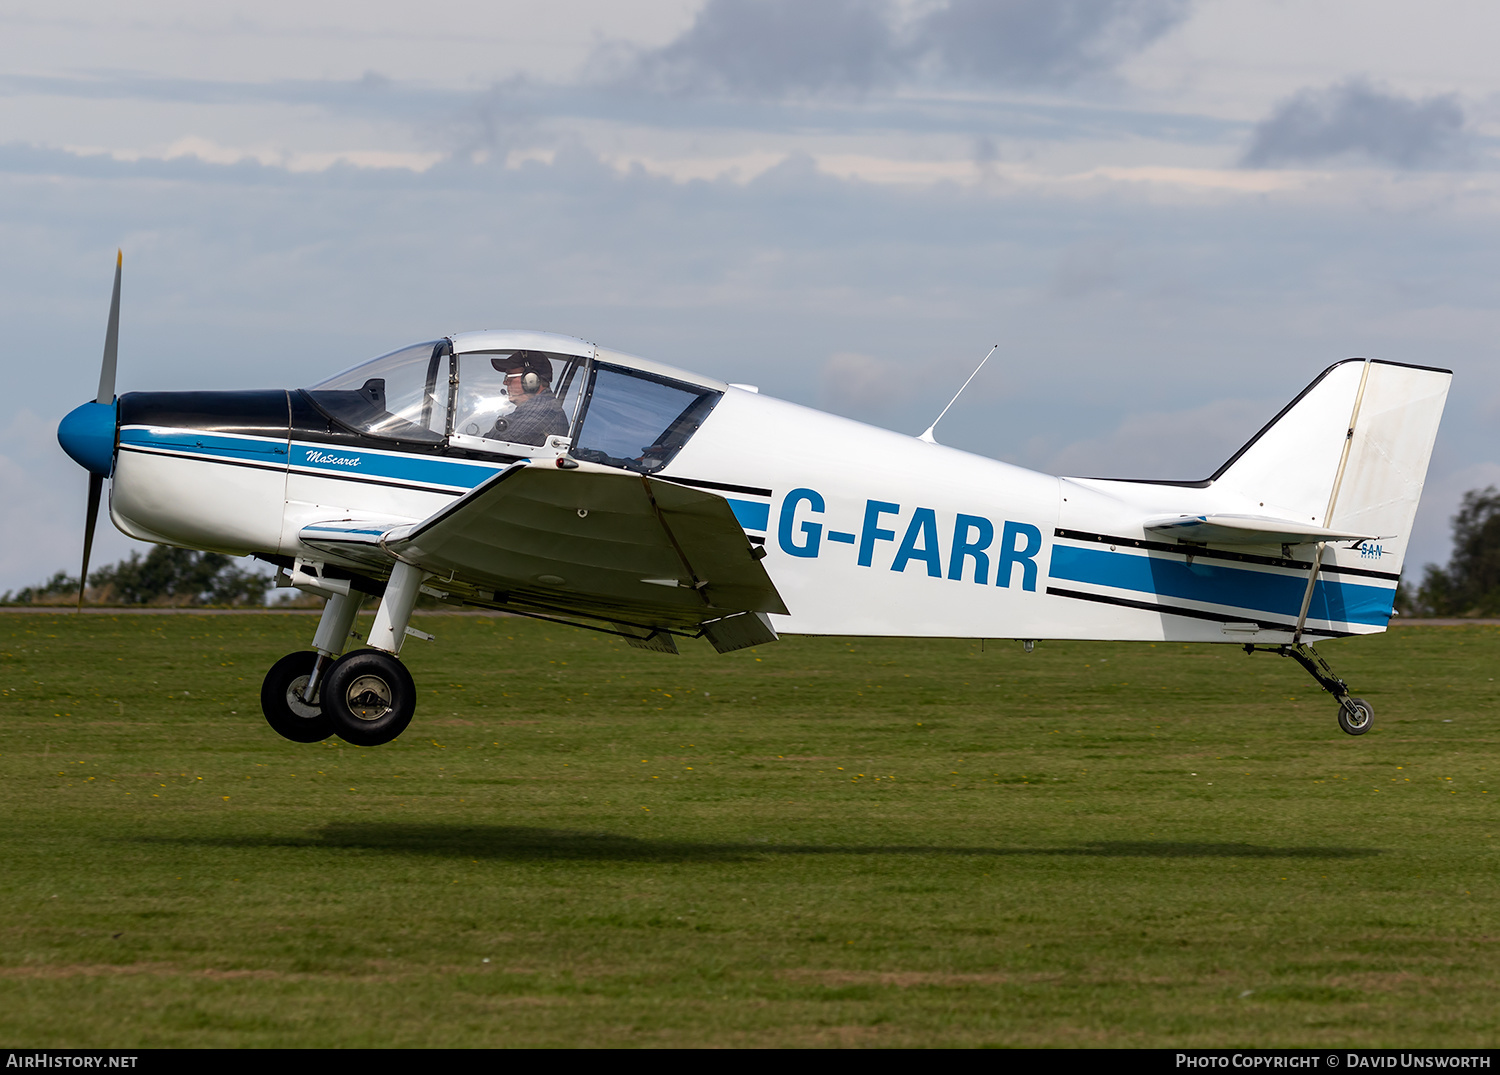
(596, 540)
(701, 524)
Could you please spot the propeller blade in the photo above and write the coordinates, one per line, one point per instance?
(111, 340)
(96, 486)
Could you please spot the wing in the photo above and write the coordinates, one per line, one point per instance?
(589, 540)
(1248, 530)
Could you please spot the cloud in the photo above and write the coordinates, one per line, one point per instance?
(781, 48)
(373, 95)
(860, 383)
(771, 48)
(1041, 42)
(1356, 119)
(1167, 445)
(1087, 270)
(496, 121)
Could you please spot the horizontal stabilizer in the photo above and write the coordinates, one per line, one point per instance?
(1248, 530)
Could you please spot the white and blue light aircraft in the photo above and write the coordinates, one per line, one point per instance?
(546, 476)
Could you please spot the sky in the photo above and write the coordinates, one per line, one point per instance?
(1171, 215)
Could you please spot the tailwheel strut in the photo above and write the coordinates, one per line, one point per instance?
(1355, 714)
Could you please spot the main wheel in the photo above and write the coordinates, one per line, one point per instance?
(281, 700)
(1355, 716)
(370, 697)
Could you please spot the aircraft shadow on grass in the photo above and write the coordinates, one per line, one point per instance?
(524, 844)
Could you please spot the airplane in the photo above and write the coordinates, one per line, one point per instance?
(543, 475)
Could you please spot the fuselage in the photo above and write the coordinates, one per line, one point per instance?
(866, 531)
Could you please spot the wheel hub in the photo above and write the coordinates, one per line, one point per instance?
(369, 697)
(295, 703)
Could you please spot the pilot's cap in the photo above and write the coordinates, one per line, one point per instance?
(527, 361)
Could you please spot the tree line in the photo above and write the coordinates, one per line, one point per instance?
(164, 576)
(1468, 586)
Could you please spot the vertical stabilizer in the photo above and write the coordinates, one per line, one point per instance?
(1350, 453)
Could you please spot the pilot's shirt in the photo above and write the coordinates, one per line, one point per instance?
(534, 420)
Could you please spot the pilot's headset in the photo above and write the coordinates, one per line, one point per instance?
(538, 371)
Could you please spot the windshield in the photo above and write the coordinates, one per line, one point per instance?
(637, 420)
(402, 395)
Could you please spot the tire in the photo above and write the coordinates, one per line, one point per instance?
(281, 700)
(369, 696)
(1355, 716)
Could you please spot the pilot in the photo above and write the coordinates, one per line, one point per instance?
(538, 414)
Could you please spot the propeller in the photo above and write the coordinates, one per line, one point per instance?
(106, 396)
(111, 339)
(96, 487)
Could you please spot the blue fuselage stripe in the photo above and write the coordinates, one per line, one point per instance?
(321, 459)
(751, 516)
(1259, 591)
(342, 530)
(414, 468)
(357, 463)
(207, 444)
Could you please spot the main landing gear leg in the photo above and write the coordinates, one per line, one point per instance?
(1355, 714)
(369, 695)
(290, 695)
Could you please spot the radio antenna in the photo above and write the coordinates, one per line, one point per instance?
(927, 436)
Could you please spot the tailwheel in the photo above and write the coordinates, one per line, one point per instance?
(1355, 715)
(369, 697)
(281, 700)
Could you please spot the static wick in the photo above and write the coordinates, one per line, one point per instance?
(927, 436)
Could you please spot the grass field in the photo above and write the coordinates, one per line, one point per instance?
(819, 842)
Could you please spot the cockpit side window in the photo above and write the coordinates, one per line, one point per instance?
(517, 396)
(402, 396)
(637, 420)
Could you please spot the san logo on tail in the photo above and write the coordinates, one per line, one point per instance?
(542, 475)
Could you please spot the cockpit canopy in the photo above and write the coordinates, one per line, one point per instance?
(515, 393)
(395, 396)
